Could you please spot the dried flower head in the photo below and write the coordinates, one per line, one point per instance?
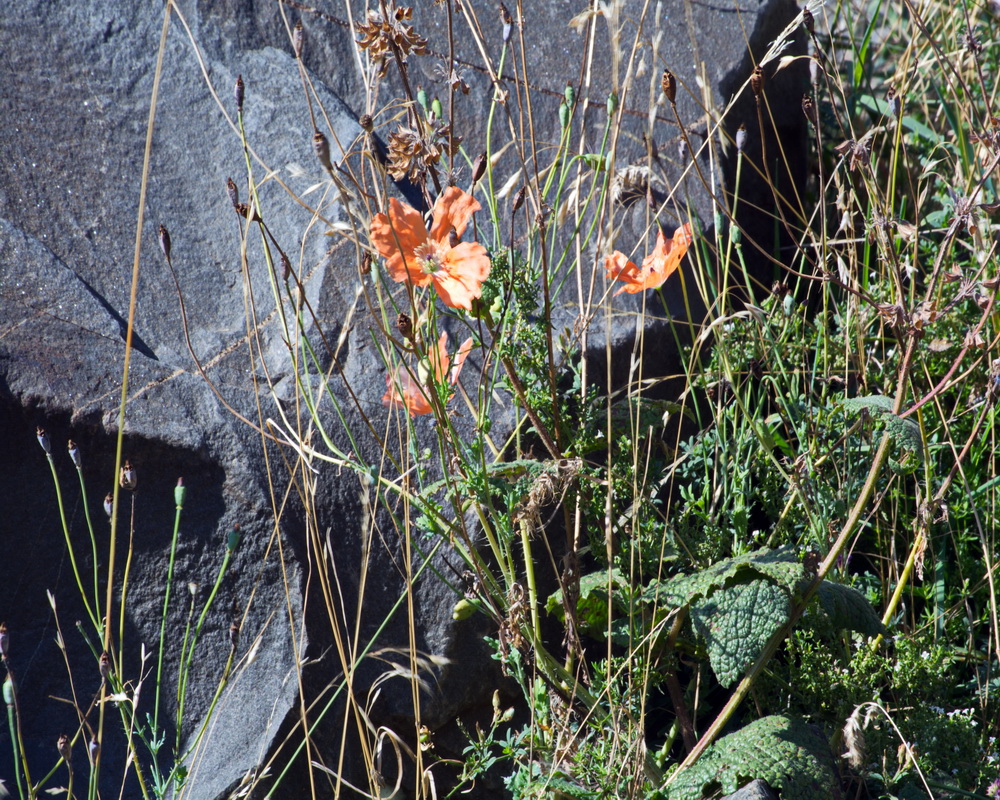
(668, 83)
(4, 640)
(412, 153)
(381, 36)
(105, 665)
(43, 440)
(74, 454)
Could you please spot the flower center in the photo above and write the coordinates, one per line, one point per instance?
(430, 257)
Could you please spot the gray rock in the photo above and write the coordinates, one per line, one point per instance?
(755, 790)
(73, 116)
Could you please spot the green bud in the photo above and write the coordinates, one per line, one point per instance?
(563, 116)
(422, 99)
(234, 539)
(570, 94)
(8, 691)
(465, 608)
(436, 109)
(180, 491)
(612, 104)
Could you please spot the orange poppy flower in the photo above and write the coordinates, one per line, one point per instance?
(403, 390)
(656, 267)
(457, 269)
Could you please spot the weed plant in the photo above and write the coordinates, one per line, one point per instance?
(795, 546)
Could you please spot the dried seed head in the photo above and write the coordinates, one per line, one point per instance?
(366, 122)
(74, 454)
(508, 22)
(128, 478)
(109, 501)
(382, 37)
(234, 194)
(809, 109)
(757, 81)
(43, 440)
(405, 325)
(95, 750)
(518, 199)
(4, 640)
(240, 93)
(234, 634)
(64, 748)
(165, 241)
(741, 137)
(322, 149)
(286, 267)
(479, 168)
(105, 665)
(668, 83)
(366, 262)
(809, 21)
(298, 37)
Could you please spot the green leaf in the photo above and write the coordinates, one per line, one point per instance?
(780, 565)
(789, 754)
(736, 623)
(848, 608)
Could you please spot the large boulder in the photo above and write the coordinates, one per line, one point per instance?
(73, 121)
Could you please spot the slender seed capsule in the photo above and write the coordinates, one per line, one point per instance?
(165, 241)
(669, 85)
(809, 109)
(286, 267)
(233, 540)
(240, 93)
(322, 149)
(234, 193)
(569, 95)
(508, 22)
(105, 665)
(180, 493)
(43, 440)
(757, 81)
(234, 634)
(809, 21)
(109, 503)
(95, 750)
(741, 137)
(298, 38)
(8, 692)
(4, 640)
(479, 168)
(519, 199)
(563, 116)
(74, 454)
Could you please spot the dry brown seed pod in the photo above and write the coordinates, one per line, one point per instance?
(298, 37)
(757, 81)
(668, 83)
(809, 109)
(128, 479)
(322, 149)
(405, 325)
(165, 241)
(240, 92)
(233, 192)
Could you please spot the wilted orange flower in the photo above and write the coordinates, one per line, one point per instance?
(656, 267)
(405, 391)
(457, 269)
